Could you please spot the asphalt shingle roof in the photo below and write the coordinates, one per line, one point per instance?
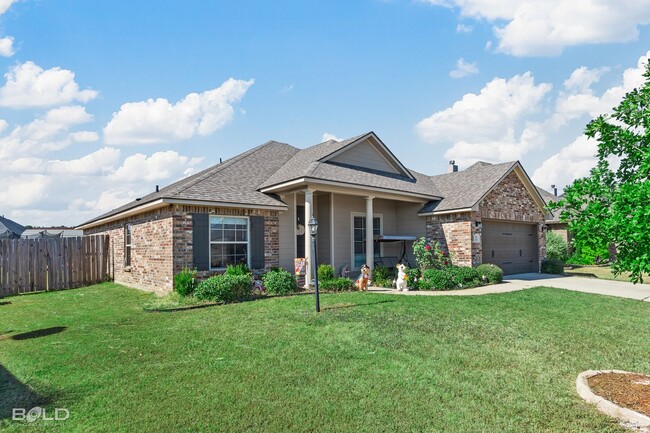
(306, 163)
(463, 189)
(235, 180)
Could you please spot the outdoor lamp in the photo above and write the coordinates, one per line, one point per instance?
(313, 229)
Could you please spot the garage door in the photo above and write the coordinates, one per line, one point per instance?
(511, 246)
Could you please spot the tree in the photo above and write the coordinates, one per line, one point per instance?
(612, 204)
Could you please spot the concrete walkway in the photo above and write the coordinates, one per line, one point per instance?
(511, 283)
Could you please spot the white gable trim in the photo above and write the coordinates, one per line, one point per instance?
(381, 148)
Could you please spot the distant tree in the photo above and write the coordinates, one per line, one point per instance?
(612, 204)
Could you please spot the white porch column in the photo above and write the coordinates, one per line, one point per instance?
(309, 205)
(370, 241)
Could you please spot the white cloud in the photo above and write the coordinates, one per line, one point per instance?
(45, 134)
(463, 69)
(159, 121)
(23, 190)
(7, 46)
(286, 89)
(84, 136)
(545, 28)
(159, 166)
(486, 125)
(463, 28)
(98, 162)
(5, 5)
(29, 85)
(327, 136)
(577, 158)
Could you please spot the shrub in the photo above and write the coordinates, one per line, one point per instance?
(586, 255)
(429, 256)
(465, 276)
(185, 282)
(556, 248)
(383, 276)
(490, 273)
(339, 284)
(440, 279)
(280, 282)
(225, 288)
(325, 272)
(238, 269)
(552, 266)
(414, 279)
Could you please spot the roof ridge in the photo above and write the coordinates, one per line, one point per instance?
(223, 165)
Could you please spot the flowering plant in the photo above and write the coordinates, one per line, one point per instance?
(429, 256)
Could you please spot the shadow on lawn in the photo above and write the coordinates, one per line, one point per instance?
(39, 333)
(5, 303)
(340, 306)
(15, 394)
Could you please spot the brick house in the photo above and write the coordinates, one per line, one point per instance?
(253, 209)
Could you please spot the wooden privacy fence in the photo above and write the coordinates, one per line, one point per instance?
(32, 265)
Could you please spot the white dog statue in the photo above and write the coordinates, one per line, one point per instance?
(401, 278)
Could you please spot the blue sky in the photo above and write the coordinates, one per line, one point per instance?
(100, 101)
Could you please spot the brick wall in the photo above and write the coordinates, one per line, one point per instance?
(161, 244)
(460, 233)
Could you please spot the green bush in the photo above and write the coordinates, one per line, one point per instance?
(383, 276)
(325, 272)
(556, 248)
(552, 266)
(450, 278)
(239, 269)
(339, 284)
(440, 279)
(225, 288)
(280, 282)
(185, 282)
(490, 273)
(586, 255)
(465, 276)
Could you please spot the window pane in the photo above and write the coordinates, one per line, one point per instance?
(359, 222)
(229, 235)
(216, 235)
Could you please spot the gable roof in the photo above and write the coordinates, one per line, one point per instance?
(313, 163)
(10, 229)
(463, 190)
(232, 182)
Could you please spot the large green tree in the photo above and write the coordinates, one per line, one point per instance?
(612, 204)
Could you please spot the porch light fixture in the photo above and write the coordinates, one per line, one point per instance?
(313, 229)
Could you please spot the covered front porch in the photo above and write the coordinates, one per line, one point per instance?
(354, 228)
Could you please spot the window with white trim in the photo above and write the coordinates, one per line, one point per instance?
(359, 238)
(228, 241)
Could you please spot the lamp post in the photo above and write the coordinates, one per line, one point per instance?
(313, 229)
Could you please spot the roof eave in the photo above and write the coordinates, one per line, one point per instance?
(447, 211)
(157, 204)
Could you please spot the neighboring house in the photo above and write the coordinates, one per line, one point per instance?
(51, 232)
(10, 229)
(553, 222)
(253, 208)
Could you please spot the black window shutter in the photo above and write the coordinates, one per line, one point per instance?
(257, 242)
(201, 241)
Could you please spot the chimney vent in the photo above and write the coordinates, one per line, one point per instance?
(157, 188)
(452, 168)
(554, 190)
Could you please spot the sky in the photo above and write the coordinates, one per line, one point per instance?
(101, 101)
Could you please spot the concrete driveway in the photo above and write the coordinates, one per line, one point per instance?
(622, 289)
(512, 283)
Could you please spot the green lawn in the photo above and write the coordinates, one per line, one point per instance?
(600, 271)
(368, 362)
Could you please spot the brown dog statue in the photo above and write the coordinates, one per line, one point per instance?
(362, 281)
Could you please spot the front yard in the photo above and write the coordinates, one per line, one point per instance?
(599, 271)
(368, 362)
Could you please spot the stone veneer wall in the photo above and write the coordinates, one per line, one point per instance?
(161, 244)
(460, 233)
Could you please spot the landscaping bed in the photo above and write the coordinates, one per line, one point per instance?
(631, 391)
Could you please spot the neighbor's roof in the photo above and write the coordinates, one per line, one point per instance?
(548, 197)
(7, 225)
(307, 163)
(464, 189)
(235, 181)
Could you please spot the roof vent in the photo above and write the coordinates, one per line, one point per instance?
(157, 188)
(452, 168)
(138, 199)
(554, 190)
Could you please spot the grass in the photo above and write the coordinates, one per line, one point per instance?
(603, 272)
(368, 362)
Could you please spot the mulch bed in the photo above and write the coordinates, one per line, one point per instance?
(631, 391)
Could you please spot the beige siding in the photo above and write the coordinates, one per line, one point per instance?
(287, 235)
(410, 224)
(365, 155)
(323, 215)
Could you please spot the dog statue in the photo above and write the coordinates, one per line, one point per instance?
(362, 281)
(401, 278)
